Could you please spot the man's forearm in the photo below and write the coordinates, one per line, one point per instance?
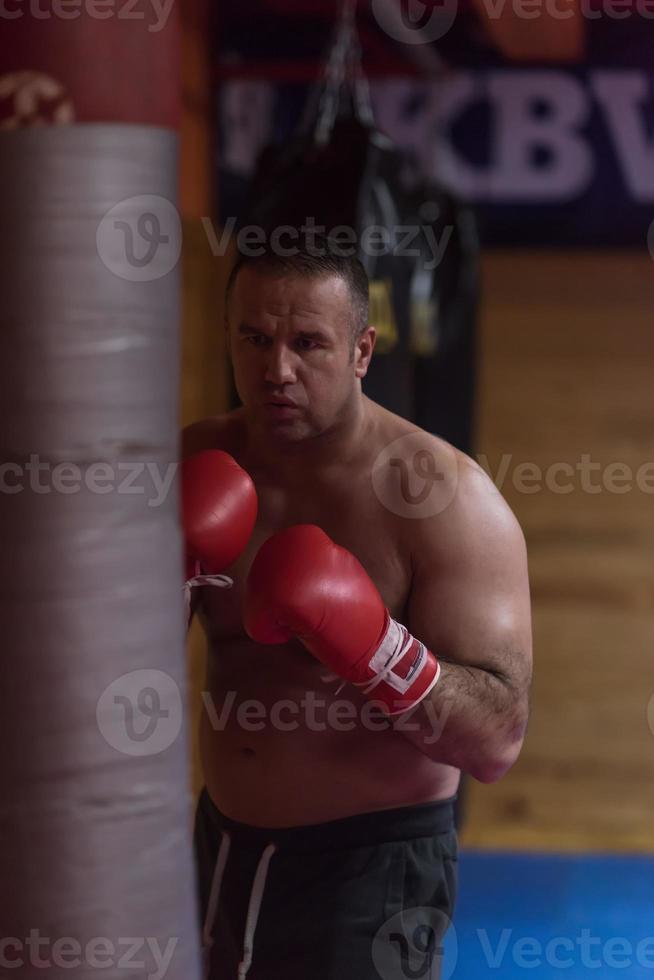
(472, 719)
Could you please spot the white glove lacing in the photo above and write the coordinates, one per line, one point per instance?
(219, 581)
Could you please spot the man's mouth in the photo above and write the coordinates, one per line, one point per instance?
(282, 403)
(281, 408)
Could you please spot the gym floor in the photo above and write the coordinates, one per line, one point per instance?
(552, 915)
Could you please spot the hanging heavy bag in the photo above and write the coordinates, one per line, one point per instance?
(443, 313)
(340, 172)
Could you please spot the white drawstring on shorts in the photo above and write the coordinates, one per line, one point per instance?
(254, 906)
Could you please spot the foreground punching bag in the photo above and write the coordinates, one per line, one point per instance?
(96, 871)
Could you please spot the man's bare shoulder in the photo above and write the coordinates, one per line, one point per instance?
(402, 445)
(226, 432)
(437, 492)
(391, 427)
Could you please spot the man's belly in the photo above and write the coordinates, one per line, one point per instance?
(280, 747)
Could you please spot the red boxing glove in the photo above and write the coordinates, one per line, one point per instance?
(303, 584)
(219, 510)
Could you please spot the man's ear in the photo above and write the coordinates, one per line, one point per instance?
(363, 349)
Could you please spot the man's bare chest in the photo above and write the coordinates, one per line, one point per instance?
(350, 514)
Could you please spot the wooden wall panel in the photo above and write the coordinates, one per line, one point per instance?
(204, 392)
(204, 387)
(566, 369)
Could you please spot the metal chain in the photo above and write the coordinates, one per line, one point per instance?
(343, 67)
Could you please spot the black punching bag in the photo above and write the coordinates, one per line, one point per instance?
(341, 173)
(444, 299)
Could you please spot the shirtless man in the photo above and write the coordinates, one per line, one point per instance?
(325, 838)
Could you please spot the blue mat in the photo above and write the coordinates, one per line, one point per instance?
(552, 916)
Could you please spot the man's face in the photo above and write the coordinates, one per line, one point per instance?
(291, 344)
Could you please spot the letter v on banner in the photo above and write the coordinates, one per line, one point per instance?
(623, 96)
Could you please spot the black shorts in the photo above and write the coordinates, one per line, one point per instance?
(368, 897)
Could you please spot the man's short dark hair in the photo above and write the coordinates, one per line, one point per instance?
(314, 257)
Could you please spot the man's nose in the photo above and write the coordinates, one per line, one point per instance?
(280, 366)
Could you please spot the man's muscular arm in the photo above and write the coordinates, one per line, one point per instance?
(470, 605)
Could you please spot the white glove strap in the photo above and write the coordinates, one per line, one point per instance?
(394, 646)
(220, 582)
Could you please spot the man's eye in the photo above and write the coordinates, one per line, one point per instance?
(305, 343)
(257, 340)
